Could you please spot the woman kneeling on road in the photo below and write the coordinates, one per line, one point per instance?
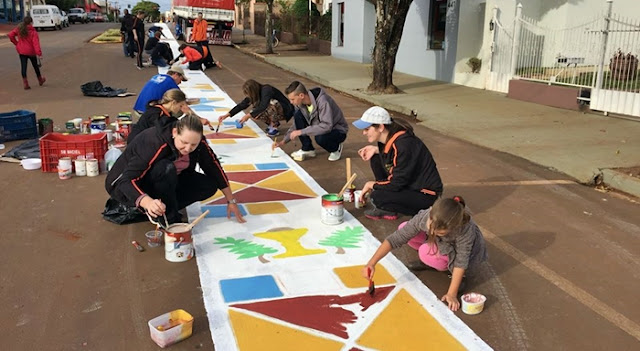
(269, 105)
(157, 172)
(446, 238)
(407, 179)
(163, 112)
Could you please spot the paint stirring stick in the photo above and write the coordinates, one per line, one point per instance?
(372, 287)
(273, 149)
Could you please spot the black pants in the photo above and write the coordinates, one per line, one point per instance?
(329, 141)
(34, 62)
(408, 202)
(140, 45)
(131, 44)
(176, 191)
(207, 59)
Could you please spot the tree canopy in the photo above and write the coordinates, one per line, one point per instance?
(150, 8)
(63, 5)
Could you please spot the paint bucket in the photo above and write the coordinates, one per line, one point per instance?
(178, 244)
(349, 194)
(98, 127)
(93, 167)
(357, 198)
(64, 168)
(45, 125)
(81, 167)
(77, 122)
(332, 209)
(473, 303)
(109, 133)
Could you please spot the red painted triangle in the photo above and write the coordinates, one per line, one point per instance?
(252, 177)
(226, 136)
(256, 194)
(323, 313)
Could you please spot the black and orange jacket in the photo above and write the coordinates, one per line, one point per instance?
(409, 164)
(150, 146)
(153, 116)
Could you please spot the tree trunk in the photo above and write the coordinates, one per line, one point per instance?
(267, 27)
(390, 18)
(262, 259)
(340, 250)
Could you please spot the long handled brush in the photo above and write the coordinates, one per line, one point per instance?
(372, 287)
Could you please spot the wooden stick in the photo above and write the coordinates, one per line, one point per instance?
(348, 168)
(353, 177)
(198, 219)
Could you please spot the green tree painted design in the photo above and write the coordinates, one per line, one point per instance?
(344, 238)
(245, 249)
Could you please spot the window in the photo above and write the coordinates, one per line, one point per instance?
(40, 11)
(437, 23)
(341, 24)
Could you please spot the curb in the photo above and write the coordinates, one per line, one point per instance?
(621, 181)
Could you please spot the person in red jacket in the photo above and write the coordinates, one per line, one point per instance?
(27, 43)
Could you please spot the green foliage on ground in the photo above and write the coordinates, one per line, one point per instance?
(109, 36)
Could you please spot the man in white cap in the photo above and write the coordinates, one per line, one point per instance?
(407, 179)
(157, 86)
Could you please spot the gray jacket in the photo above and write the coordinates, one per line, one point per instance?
(465, 247)
(325, 116)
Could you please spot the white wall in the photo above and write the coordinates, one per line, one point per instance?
(359, 26)
(471, 30)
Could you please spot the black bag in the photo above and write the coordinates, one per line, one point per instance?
(118, 213)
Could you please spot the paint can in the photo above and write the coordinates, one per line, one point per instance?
(178, 244)
(109, 133)
(81, 167)
(77, 122)
(64, 168)
(349, 194)
(93, 167)
(85, 127)
(332, 209)
(125, 128)
(358, 200)
(473, 303)
(98, 127)
(45, 125)
(69, 126)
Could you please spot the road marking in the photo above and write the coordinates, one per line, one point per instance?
(588, 300)
(514, 182)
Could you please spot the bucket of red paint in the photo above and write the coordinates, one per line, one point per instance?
(473, 303)
(332, 209)
(178, 243)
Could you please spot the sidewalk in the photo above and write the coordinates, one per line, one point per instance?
(588, 147)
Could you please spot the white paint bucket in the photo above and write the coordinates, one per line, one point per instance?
(178, 244)
(93, 167)
(64, 168)
(81, 167)
(357, 196)
(332, 209)
(109, 133)
(473, 303)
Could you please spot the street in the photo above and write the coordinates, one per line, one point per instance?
(563, 270)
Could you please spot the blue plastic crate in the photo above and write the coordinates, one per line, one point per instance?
(18, 125)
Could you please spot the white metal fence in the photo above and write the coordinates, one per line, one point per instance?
(600, 54)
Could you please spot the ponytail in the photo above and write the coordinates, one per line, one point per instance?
(447, 214)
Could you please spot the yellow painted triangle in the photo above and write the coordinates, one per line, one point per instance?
(246, 131)
(352, 278)
(234, 187)
(402, 326)
(253, 333)
(287, 181)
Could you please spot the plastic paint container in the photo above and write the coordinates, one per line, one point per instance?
(332, 209)
(109, 133)
(64, 168)
(178, 243)
(81, 167)
(171, 327)
(239, 125)
(155, 238)
(473, 303)
(93, 167)
(357, 197)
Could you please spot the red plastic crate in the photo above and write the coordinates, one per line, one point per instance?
(56, 145)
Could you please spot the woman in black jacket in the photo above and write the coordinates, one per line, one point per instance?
(157, 172)
(407, 179)
(163, 112)
(269, 105)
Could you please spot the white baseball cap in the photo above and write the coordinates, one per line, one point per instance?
(177, 69)
(374, 115)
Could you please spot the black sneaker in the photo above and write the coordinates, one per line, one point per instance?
(377, 213)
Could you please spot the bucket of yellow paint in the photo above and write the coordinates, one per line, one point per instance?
(473, 303)
(171, 327)
(332, 209)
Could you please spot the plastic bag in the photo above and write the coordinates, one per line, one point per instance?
(118, 213)
(111, 157)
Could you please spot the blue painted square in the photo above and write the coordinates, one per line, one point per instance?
(201, 107)
(229, 123)
(251, 288)
(220, 211)
(271, 166)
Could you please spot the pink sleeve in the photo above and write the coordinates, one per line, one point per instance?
(36, 43)
(12, 36)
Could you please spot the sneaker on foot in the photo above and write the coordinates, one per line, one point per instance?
(377, 213)
(272, 132)
(300, 155)
(335, 156)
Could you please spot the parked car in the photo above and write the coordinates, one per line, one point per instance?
(64, 19)
(46, 16)
(99, 17)
(78, 15)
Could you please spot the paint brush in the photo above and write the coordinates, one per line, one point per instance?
(217, 128)
(372, 287)
(137, 246)
(273, 148)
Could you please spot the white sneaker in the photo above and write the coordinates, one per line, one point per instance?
(335, 156)
(300, 155)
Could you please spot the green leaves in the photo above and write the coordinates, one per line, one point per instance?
(347, 237)
(244, 248)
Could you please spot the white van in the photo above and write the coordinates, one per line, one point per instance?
(46, 16)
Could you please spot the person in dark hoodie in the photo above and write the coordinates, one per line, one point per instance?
(126, 27)
(269, 105)
(407, 179)
(318, 115)
(157, 172)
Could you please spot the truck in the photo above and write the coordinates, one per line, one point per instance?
(219, 14)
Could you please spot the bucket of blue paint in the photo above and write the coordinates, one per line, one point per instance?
(332, 209)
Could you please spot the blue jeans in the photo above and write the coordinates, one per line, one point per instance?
(160, 62)
(329, 141)
(125, 44)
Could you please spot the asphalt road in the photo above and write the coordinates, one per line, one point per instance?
(563, 267)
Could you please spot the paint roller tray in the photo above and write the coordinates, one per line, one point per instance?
(171, 327)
